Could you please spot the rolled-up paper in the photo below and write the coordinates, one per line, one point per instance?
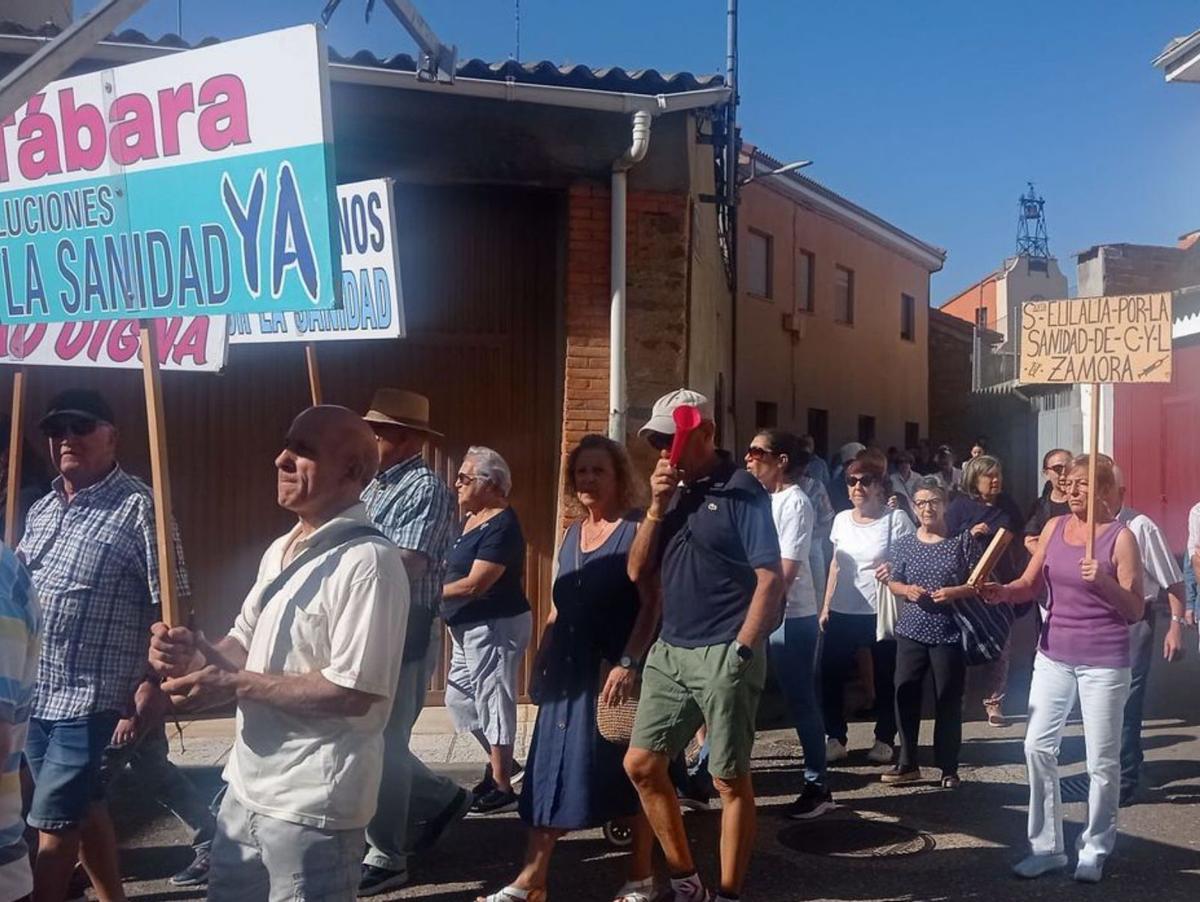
(995, 550)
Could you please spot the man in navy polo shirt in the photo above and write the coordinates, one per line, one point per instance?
(710, 539)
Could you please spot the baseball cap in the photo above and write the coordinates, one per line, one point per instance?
(79, 402)
(661, 416)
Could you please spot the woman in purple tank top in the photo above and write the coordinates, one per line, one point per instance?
(1083, 653)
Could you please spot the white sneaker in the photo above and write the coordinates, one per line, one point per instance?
(835, 751)
(1089, 872)
(1033, 866)
(881, 753)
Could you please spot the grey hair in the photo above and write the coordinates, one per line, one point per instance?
(492, 466)
(931, 484)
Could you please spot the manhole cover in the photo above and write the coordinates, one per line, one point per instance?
(856, 838)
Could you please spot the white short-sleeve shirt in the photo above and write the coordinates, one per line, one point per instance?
(794, 516)
(1193, 538)
(343, 614)
(1159, 567)
(859, 548)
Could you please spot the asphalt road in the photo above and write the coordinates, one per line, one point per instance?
(912, 843)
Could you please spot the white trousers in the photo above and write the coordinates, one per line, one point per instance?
(1101, 692)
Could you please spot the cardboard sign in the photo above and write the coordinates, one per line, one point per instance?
(1098, 340)
(372, 298)
(991, 557)
(196, 183)
(192, 343)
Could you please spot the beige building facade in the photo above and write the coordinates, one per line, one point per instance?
(832, 318)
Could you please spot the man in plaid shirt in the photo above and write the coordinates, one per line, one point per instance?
(416, 510)
(90, 547)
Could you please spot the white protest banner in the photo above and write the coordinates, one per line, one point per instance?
(372, 297)
(195, 183)
(1122, 338)
(193, 343)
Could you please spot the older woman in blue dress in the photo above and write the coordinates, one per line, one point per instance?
(574, 777)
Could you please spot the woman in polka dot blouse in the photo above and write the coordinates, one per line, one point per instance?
(929, 570)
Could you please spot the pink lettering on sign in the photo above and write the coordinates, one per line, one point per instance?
(182, 342)
(55, 134)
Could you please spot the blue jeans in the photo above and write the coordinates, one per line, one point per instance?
(1189, 582)
(65, 757)
(793, 653)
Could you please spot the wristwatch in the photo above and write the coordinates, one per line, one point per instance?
(629, 663)
(745, 652)
(1179, 620)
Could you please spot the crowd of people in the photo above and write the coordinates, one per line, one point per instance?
(667, 616)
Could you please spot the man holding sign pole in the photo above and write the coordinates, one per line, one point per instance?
(90, 547)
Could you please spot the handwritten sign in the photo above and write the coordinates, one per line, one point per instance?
(1124, 338)
(196, 183)
(191, 343)
(372, 298)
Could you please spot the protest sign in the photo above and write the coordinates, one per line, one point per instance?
(197, 183)
(194, 344)
(1120, 338)
(372, 297)
(1097, 340)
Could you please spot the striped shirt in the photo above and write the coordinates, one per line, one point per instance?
(94, 562)
(417, 511)
(20, 632)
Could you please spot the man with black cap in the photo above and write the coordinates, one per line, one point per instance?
(710, 538)
(416, 510)
(90, 547)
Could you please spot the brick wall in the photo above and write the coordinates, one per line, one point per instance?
(656, 297)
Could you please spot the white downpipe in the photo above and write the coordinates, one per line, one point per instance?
(616, 326)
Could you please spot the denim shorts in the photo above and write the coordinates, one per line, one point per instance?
(65, 757)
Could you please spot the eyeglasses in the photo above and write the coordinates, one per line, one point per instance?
(659, 441)
(756, 453)
(77, 427)
(1057, 468)
(467, 478)
(928, 503)
(865, 481)
(1072, 484)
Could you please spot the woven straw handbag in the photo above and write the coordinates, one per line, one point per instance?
(615, 722)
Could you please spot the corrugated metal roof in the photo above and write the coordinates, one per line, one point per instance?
(544, 72)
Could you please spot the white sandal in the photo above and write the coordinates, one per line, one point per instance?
(637, 891)
(514, 894)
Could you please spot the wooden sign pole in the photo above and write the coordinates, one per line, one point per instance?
(160, 473)
(1093, 454)
(314, 373)
(16, 441)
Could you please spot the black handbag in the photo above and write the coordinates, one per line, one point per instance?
(984, 628)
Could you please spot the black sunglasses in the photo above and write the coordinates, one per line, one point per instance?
(865, 481)
(77, 427)
(659, 441)
(1057, 468)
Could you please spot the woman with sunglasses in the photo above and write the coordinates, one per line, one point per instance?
(929, 571)
(1083, 654)
(485, 609)
(1053, 500)
(983, 509)
(772, 460)
(862, 538)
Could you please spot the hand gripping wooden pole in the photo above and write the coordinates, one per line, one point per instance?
(16, 441)
(161, 477)
(1093, 454)
(314, 373)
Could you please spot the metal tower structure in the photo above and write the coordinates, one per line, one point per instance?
(1032, 240)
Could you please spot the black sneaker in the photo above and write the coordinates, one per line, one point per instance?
(379, 880)
(495, 802)
(488, 782)
(195, 874)
(812, 802)
(436, 828)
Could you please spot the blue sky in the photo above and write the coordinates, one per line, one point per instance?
(931, 113)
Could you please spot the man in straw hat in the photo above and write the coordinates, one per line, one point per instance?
(416, 510)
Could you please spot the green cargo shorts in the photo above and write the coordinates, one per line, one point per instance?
(684, 688)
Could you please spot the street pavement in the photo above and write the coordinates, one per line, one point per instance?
(912, 843)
